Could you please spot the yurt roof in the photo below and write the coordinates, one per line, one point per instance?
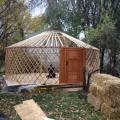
(52, 38)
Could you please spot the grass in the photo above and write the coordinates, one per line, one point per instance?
(60, 106)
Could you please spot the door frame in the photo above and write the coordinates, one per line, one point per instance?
(63, 77)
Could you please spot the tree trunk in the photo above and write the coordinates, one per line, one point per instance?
(102, 59)
(22, 33)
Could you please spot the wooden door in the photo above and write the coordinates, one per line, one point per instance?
(72, 63)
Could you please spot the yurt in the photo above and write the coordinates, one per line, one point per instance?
(50, 58)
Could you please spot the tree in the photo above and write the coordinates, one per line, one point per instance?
(99, 19)
(105, 36)
(12, 17)
(36, 24)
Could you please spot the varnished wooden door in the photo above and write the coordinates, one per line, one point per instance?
(72, 63)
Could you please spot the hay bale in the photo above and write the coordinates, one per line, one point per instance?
(109, 94)
(113, 87)
(113, 119)
(113, 102)
(98, 78)
(109, 112)
(96, 90)
(108, 88)
(107, 84)
(105, 95)
(96, 102)
(102, 81)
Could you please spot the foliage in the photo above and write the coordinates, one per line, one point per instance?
(2, 2)
(11, 15)
(36, 23)
(69, 14)
(13, 24)
(60, 106)
(99, 19)
(105, 36)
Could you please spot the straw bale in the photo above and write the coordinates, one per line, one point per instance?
(98, 78)
(106, 83)
(96, 102)
(109, 112)
(112, 101)
(113, 87)
(110, 95)
(96, 90)
(113, 119)
(108, 88)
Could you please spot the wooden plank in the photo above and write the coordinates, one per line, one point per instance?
(29, 110)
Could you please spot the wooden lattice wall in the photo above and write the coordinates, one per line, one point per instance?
(92, 60)
(30, 65)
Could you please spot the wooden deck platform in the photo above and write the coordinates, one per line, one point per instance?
(32, 78)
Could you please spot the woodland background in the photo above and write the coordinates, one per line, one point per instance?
(99, 20)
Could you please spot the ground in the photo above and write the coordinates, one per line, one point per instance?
(57, 105)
